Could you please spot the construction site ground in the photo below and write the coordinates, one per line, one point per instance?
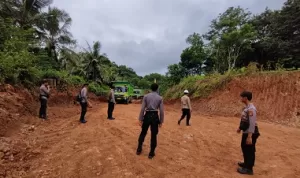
(62, 147)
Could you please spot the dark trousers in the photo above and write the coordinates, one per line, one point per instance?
(150, 119)
(43, 108)
(187, 113)
(110, 109)
(83, 111)
(249, 150)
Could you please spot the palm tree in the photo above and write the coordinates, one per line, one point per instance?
(25, 13)
(55, 31)
(109, 73)
(69, 59)
(94, 61)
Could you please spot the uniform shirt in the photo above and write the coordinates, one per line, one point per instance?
(185, 102)
(44, 92)
(252, 119)
(112, 98)
(152, 101)
(83, 94)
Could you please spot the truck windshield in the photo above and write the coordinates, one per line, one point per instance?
(120, 89)
(136, 92)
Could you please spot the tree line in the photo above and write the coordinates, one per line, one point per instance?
(237, 38)
(35, 42)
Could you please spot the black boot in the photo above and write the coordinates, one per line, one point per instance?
(245, 171)
(151, 154)
(139, 150)
(241, 164)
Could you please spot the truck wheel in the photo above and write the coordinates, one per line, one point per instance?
(130, 101)
(127, 101)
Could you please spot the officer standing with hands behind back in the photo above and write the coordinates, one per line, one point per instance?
(149, 117)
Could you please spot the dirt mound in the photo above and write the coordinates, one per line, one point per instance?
(15, 105)
(19, 104)
(276, 96)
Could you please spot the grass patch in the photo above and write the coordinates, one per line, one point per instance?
(203, 86)
(199, 86)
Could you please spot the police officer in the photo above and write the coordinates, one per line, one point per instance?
(111, 103)
(149, 117)
(84, 103)
(186, 108)
(44, 95)
(250, 134)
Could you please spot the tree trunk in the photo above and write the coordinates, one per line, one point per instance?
(55, 54)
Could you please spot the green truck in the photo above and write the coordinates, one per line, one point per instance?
(123, 91)
(138, 93)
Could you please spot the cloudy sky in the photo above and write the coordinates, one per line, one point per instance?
(147, 35)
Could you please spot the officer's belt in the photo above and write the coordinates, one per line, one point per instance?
(151, 110)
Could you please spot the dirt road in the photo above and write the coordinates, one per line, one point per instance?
(104, 148)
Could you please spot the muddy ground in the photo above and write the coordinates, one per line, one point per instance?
(61, 147)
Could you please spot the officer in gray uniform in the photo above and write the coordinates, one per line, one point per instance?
(111, 103)
(152, 102)
(250, 134)
(44, 95)
(84, 102)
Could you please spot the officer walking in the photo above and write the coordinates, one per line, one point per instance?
(44, 95)
(250, 134)
(84, 103)
(111, 103)
(186, 108)
(149, 117)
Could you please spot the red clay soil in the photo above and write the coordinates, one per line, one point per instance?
(276, 97)
(61, 147)
(18, 104)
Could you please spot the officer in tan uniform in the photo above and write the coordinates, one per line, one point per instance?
(186, 108)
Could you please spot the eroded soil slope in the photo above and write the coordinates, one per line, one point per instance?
(276, 96)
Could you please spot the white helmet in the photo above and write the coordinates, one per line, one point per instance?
(186, 92)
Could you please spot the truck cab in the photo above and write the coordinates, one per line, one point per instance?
(123, 91)
(138, 93)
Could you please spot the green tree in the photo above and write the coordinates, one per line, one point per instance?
(25, 13)
(286, 34)
(193, 57)
(231, 35)
(92, 58)
(126, 73)
(55, 31)
(17, 64)
(154, 76)
(175, 73)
